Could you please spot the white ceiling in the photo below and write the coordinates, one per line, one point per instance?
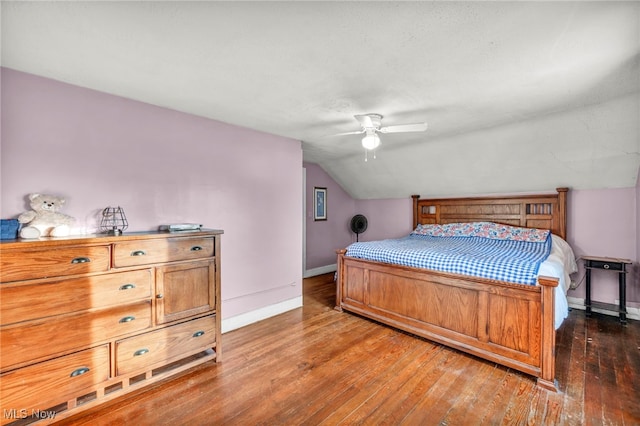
(519, 96)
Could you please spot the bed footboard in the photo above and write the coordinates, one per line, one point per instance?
(510, 324)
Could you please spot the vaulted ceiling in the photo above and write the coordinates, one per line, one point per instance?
(519, 96)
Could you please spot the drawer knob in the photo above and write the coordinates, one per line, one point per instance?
(159, 296)
(141, 352)
(196, 248)
(127, 319)
(605, 266)
(127, 286)
(198, 333)
(79, 372)
(138, 253)
(81, 260)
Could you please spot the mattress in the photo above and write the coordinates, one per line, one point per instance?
(560, 264)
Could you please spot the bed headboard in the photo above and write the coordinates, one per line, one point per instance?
(545, 211)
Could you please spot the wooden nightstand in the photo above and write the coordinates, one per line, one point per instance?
(607, 264)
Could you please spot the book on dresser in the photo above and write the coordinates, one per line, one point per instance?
(85, 319)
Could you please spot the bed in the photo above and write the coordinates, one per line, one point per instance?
(510, 323)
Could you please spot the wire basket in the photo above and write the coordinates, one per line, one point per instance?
(114, 221)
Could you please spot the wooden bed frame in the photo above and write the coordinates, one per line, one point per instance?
(510, 324)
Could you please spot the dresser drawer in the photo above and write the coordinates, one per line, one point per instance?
(165, 345)
(34, 340)
(55, 262)
(133, 253)
(43, 385)
(24, 302)
(599, 264)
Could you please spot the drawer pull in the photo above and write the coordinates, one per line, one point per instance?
(159, 296)
(198, 333)
(196, 248)
(127, 287)
(140, 352)
(605, 266)
(81, 260)
(139, 253)
(127, 319)
(79, 372)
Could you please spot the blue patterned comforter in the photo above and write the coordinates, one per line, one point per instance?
(505, 260)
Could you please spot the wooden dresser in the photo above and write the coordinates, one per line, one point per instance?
(87, 319)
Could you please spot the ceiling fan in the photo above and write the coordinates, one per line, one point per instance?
(371, 125)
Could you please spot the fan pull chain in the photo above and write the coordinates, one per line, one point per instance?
(366, 155)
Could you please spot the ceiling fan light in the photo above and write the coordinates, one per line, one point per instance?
(371, 141)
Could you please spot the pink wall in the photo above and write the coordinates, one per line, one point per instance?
(603, 222)
(325, 237)
(391, 218)
(635, 280)
(161, 166)
(386, 219)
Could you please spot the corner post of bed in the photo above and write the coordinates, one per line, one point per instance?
(562, 212)
(415, 210)
(339, 279)
(546, 379)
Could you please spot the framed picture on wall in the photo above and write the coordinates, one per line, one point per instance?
(320, 203)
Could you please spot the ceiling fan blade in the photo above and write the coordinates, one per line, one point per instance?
(417, 127)
(359, 132)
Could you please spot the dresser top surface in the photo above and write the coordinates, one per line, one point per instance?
(20, 243)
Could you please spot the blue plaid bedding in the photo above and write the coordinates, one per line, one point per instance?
(504, 260)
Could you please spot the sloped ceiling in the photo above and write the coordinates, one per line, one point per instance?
(519, 96)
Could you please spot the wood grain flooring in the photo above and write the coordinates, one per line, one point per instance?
(316, 366)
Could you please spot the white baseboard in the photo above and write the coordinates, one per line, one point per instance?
(321, 270)
(578, 303)
(247, 318)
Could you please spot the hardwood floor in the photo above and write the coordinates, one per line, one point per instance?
(316, 366)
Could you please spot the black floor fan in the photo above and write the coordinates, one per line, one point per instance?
(358, 224)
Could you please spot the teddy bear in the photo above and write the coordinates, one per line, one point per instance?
(45, 220)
